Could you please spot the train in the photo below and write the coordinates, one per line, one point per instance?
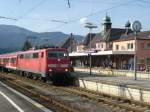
(47, 64)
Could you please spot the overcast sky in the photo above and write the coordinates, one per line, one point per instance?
(55, 15)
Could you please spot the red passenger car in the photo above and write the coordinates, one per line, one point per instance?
(9, 61)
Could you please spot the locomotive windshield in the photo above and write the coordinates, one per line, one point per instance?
(57, 54)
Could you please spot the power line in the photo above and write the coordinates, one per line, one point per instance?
(2, 17)
(109, 3)
(89, 2)
(105, 10)
(144, 1)
(69, 4)
(97, 12)
(84, 1)
(89, 15)
(31, 9)
(59, 21)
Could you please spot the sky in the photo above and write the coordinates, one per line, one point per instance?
(56, 15)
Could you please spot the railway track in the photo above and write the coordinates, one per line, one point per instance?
(48, 101)
(57, 100)
(114, 104)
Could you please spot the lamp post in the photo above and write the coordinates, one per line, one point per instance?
(90, 26)
(136, 26)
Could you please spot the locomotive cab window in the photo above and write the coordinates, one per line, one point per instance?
(62, 54)
(57, 54)
(52, 54)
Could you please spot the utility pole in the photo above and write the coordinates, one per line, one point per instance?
(71, 42)
(136, 28)
(90, 26)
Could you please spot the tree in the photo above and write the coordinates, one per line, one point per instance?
(27, 45)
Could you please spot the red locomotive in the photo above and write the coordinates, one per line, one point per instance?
(44, 63)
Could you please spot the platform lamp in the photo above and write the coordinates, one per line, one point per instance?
(90, 26)
(136, 26)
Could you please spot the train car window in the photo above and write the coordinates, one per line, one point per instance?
(24, 55)
(35, 55)
(28, 56)
(6, 60)
(21, 56)
(13, 60)
(52, 54)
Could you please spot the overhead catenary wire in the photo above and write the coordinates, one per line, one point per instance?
(59, 21)
(110, 3)
(145, 2)
(85, 1)
(96, 2)
(31, 9)
(2, 17)
(69, 3)
(97, 12)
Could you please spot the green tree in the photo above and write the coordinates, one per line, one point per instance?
(27, 45)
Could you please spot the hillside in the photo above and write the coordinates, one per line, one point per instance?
(13, 37)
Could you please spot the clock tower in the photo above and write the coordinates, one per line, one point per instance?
(106, 23)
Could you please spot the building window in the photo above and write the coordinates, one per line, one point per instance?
(142, 45)
(117, 47)
(130, 46)
(140, 61)
(148, 61)
(148, 46)
(101, 45)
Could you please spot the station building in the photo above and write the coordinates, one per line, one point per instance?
(113, 48)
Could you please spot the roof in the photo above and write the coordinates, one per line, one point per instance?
(14, 54)
(140, 36)
(86, 41)
(106, 19)
(69, 43)
(8, 55)
(111, 35)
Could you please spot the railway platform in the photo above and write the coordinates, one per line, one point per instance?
(120, 86)
(13, 101)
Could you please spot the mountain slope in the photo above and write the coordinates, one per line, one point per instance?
(13, 37)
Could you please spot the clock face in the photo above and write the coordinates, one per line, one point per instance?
(136, 26)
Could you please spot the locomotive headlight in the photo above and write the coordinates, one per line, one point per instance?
(50, 70)
(66, 70)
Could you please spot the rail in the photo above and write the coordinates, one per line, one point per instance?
(116, 104)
